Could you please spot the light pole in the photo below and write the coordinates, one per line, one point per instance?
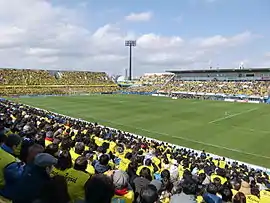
(130, 44)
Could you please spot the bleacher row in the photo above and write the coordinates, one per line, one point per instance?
(23, 81)
(166, 83)
(20, 82)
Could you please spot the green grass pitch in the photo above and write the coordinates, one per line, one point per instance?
(235, 130)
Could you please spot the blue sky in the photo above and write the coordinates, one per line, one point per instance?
(89, 35)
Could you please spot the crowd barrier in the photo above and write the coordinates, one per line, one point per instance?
(267, 170)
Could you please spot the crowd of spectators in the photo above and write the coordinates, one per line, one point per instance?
(49, 158)
(150, 82)
(64, 90)
(23, 82)
(255, 88)
(156, 79)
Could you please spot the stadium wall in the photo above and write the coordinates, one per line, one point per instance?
(267, 170)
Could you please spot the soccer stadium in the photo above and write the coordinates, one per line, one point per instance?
(173, 128)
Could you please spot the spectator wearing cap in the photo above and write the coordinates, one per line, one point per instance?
(34, 178)
(7, 151)
(123, 191)
(13, 171)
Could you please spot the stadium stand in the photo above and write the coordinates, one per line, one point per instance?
(28, 82)
(256, 88)
(151, 82)
(96, 164)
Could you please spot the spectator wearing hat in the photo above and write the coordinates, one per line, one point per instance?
(13, 171)
(123, 191)
(34, 178)
(7, 151)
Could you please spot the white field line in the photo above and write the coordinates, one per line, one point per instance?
(187, 139)
(233, 115)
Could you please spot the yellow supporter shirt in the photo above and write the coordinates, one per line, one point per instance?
(252, 199)
(265, 196)
(222, 164)
(98, 141)
(223, 180)
(73, 155)
(181, 170)
(47, 142)
(90, 169)
(75, 181)
(215, 162)
(127, 198)
(199, 199)
(234, 192)
(123, 165)
(156, 161)
(5, 159)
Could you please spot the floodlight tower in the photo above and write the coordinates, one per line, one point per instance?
(130, 44)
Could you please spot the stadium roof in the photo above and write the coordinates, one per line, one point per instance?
(221, 70)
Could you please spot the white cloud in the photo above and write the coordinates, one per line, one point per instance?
(267, 54)
(36, 34)
(219, 40)
(139, 17)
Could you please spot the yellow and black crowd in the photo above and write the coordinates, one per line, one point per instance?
(49, 158)
(38, 82)
(254, 88)
(151, 82)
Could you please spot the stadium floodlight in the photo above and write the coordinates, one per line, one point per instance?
(130, 44)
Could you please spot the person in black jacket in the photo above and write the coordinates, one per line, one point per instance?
(34, 177)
